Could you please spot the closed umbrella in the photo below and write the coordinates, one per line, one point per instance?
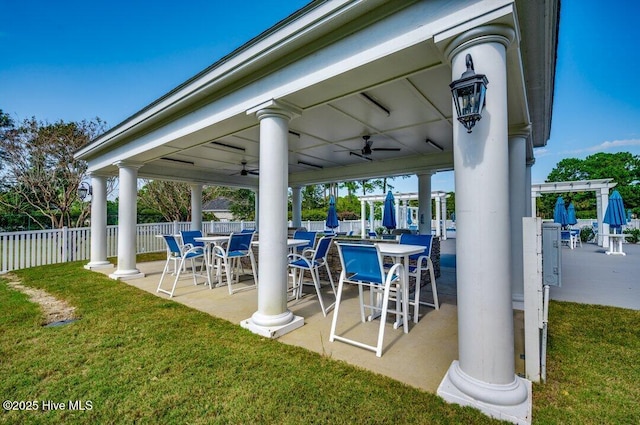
(332, 215)
(409, 220)
(615, 216)
(560, 212)
(571, 214)
(389, 217)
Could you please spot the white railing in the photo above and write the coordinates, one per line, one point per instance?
(20, 250)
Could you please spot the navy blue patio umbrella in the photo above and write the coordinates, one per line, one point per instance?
(389, 217)
(560, 215)
(571, 214)
(409, 220)
(615, 216)
(332, 215)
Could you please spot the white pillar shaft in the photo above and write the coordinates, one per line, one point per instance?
(127, 217)
(443, 205)
(272, 289)
(603, 228)
(372, 217)
(363, 213)
(196, 207)
(296, 206)
(529, 211)
(438, 217)
(98, 222)
(424, 204)
(518, 201)
(485, 317)
(256, 207)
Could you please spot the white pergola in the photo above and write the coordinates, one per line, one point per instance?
(402, 204)
(600, 186)
(297, 100)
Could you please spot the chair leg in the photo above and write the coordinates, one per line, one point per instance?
(416, 295)
(164, 273)
(334, 320)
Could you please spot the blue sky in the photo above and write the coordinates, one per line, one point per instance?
(75, 60)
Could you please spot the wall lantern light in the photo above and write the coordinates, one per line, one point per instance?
(468, 95)
(84, 190)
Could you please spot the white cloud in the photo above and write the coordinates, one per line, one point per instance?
(614, 144)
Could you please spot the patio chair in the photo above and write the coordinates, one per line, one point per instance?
(183, 253)
(422, 263)
(362, 265)
(309, 236)
(238, 247)
(188, 238)
(312, 260)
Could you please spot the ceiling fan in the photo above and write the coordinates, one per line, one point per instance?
(367, 150)
(245, 172)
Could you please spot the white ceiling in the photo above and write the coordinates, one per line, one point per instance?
(173, 137)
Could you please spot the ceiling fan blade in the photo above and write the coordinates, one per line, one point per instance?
(361, 156)
(386, 149)
(253, 172)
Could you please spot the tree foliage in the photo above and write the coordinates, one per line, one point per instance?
(622, 167)
(40, 174)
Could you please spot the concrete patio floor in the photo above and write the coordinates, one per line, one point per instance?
(421, 357)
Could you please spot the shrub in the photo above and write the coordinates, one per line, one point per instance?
(634, 235)
(586, 234)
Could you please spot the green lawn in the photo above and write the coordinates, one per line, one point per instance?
(139, 358)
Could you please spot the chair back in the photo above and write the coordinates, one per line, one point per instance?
(247, 230)
(361, 262)
(423, 240)
(323, 247)
(309, 236)
(239, 242)
(173, 245)
(188, 237)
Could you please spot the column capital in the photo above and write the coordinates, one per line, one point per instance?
(128, 164)
(530, 162)
(484, 34)
(275, 107)
(97, 175)
(522, 131)
(426, 173)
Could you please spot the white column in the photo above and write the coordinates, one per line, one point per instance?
(518, 201)
(196, 206)
(372, 216)
(603, 228)
(296, 206)
(438, 217)
(273, 319)
(424, 203)
(443, 205)
(127, 218)
(484, 376)
(363, 214)
(529, 211)
(397, 209)
(98, 224)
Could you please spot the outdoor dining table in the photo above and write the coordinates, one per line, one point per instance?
(210, 242)
(400, 254)
(615, 243)
(291, 244)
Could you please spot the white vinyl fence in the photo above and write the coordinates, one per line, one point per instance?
(20, 250)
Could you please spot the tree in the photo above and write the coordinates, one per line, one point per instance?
(242, 202)
(622, 167)
(40, 170)
(170, 199)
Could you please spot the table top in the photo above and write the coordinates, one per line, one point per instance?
(211, 239)
(397, 249)
(290, 242)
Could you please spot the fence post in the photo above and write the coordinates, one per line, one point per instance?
(176, 228)
(65, 242)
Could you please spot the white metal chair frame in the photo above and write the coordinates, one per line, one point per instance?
(312, 260)
(354, 264)
(238, 247)
(423, 263)
(184, 253)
